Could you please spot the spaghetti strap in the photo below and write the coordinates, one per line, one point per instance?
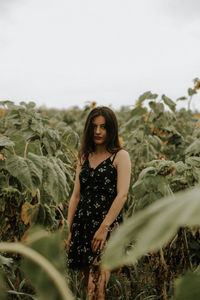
(112, 160)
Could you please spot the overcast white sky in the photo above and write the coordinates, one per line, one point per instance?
(61, 53)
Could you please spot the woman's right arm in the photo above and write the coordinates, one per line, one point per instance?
(75, 197)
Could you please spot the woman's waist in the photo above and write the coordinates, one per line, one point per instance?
(107, 191)
(95, 202)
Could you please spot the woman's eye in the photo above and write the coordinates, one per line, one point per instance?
(101, 126)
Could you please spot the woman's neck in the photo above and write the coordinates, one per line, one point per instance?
(100, 149)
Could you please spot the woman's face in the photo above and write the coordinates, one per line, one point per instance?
(99, 126)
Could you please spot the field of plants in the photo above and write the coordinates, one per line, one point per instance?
(154, 255)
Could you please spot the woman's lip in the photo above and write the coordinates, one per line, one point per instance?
(98, 137)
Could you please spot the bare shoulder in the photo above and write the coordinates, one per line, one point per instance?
(122, 154)
(122, 158)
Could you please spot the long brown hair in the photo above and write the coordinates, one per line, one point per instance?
(112, 138)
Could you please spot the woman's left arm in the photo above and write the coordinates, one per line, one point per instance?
(123, 165)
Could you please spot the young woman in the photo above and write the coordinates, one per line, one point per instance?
(100, 191)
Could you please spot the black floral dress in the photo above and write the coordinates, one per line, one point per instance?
(98, 188)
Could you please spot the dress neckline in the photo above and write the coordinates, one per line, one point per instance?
(99, 163)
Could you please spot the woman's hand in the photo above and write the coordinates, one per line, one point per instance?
(68, 241)
(99, 238)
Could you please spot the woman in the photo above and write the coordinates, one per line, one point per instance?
(100, 191)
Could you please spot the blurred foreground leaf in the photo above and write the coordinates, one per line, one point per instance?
(2, 287)
(187, 287)
(37, 267)
(152, 228)
(50, 245)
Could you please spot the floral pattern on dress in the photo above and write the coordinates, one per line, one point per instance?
(98, 188)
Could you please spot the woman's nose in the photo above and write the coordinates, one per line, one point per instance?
(98, 129)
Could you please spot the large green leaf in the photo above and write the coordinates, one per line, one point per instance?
(54, 182)
(171, 104)
(52, 248)
(70, 138)
(152, 179)
(152, 228)
(5, 141)
(193, 149)
(147, 95)
(193, 161)
(181, 98)
(56, 287)
(30, 105)
(20, 143)
(51, 141)
(191, 92)
(25, 171)
(6, 102)
(158, 108)
(155, 141)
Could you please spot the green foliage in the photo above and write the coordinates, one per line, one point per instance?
(193, 149)
(50, 246)
(138, 111)
(187, 287)
(147, 95)
(38, 156)
(171, 104)
(62, 291)
(35, 180)
(191, 92)
(3, 295)
(152, 228)
(25, 171)
(5, 141)
(5, 261)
